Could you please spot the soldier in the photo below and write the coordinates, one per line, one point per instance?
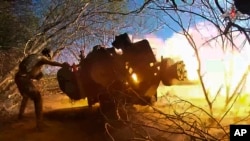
(29, 70)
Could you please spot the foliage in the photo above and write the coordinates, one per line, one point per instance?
(18, 23)
(67, 26)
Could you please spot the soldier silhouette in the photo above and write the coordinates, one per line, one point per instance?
(29, 70)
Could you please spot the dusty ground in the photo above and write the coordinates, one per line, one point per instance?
(64, 121)
(67, 121)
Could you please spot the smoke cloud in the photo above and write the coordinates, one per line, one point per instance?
(222, 64)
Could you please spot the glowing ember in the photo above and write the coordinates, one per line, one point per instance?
(134, 77)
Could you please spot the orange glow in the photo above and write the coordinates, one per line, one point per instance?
(225, 73)
(234, 68)
(134, 77)
(221, 70)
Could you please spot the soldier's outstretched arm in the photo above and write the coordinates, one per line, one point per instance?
(46, 61)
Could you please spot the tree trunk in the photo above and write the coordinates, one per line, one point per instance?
(8, 79)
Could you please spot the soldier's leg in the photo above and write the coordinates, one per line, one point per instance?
(23, 106)
(38, 108)
(23, 87)
(35, 95)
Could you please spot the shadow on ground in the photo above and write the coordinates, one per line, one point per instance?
(77, 124)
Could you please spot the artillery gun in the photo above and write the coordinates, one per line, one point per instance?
(105, 76)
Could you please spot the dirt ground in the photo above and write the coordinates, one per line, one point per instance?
(67, 121)
(64, 121)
